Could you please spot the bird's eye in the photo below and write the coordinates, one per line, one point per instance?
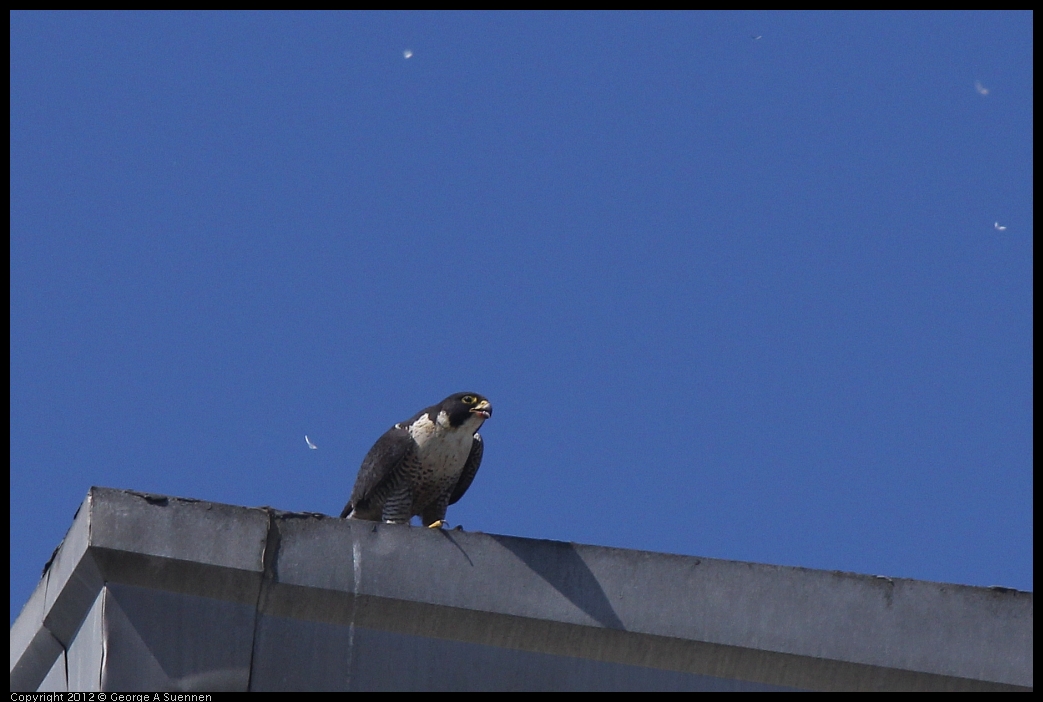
(469, 399)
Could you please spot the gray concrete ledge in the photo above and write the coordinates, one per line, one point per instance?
(155, 593)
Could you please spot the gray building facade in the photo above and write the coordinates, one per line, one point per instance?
(153, 593)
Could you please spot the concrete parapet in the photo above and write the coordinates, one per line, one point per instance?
(153, 593)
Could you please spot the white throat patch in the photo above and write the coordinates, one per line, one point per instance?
(441, 448)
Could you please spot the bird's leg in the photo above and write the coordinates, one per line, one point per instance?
(434, 515)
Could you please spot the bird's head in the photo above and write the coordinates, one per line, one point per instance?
(466, 407)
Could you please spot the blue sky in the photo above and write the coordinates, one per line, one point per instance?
(733, 297)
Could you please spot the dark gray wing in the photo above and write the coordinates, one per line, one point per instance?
(474, 459)
(379, 465)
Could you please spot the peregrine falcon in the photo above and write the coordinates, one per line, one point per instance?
(422, 465)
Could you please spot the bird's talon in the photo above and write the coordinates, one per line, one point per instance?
(436, 525)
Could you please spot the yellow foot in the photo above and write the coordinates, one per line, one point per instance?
(436, 525)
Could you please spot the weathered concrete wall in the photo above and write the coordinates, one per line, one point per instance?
(154, 593)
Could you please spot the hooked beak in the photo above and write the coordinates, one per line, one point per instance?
(483, 409)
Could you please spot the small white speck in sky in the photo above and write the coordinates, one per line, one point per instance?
(408, 53)
(982, 90)
(999, 227)
(308, 441)
(755, 37)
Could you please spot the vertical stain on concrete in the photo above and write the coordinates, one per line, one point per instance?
(356, 566)
(268, 574)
